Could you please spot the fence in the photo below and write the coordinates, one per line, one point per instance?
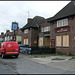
(37, 50)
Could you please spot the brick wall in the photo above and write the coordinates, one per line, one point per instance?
(71, 33)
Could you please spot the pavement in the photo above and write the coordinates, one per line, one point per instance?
(64, 64)
(5, 69)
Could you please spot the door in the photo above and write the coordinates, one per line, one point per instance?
(47, 41)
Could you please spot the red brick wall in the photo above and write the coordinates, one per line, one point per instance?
(71, 33)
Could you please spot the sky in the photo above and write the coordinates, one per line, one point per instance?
(11, 11)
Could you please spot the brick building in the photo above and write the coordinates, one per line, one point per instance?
(2, 36)
(62, 29)
(9, 36)
(34, 32)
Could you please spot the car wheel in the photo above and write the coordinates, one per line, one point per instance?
(3, 56)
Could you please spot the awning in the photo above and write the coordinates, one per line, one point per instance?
(47, 35)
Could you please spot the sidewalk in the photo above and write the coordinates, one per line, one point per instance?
(5, 69)
(65, 64)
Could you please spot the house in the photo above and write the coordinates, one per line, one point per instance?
(19, 34)
(34, 31)
(62, 29)
(2, 37)
(9, 36)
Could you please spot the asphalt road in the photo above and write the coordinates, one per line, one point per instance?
(21, 65)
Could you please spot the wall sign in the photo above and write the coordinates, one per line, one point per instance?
(35, 42)
(14, 38)
(14, 25)
(52, 43)
(62, 29)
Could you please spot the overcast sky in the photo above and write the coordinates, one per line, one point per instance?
(11, 11)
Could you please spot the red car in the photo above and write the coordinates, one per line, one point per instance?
(9, 49)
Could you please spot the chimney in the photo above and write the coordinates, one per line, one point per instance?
(2, 33)
(7, 30)
(29, 20)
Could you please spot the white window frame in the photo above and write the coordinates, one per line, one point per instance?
(25, 31)
(62, 24)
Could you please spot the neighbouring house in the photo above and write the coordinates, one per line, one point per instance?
(19, 34)
(34, 32)
(2, 37)
(9, 36)
(62, 29)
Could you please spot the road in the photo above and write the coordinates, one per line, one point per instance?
(22, 65)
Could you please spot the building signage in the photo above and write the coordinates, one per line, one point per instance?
(35, 42)
(14, 25)
(62, 30)
(14, 38)
(52, 43)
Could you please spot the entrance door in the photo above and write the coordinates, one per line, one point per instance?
(47, 41)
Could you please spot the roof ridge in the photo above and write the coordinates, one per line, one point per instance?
(73, 3)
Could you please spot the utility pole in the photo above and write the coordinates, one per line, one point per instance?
(28, 14)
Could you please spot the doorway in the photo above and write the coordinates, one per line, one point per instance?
(47, 41)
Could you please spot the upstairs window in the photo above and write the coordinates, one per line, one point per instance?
(62, 22)
(25, 31)
(45, 29)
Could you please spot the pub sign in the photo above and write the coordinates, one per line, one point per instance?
(14, 25)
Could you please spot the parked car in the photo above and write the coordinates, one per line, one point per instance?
(9, 49)
(24, 49)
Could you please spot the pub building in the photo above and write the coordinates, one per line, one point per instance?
(36, 32)
(62, 29)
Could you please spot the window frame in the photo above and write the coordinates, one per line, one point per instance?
(59, 41)
(25, 31)
(45, 29)
(67, 41)
(63, 22)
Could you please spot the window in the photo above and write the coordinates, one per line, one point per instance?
(41, 41)
(45, 29)
(58, 40)
(25, 41)
(25, 31)
(5, 38)
(48, 28)
(42, 29)
(8, 37)
(18, 38)
(63, 22)
(65, 40)
(11, 37)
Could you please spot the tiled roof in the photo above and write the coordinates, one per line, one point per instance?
(68, 10)
(36, 21)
